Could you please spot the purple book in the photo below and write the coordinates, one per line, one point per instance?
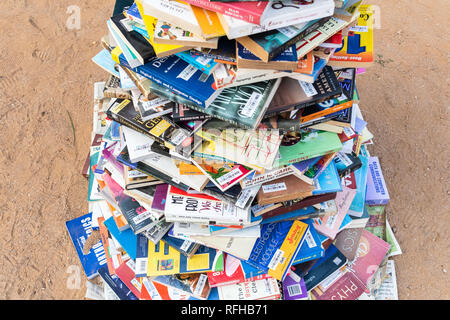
(159, 198)
(294, 290)
(377, 193)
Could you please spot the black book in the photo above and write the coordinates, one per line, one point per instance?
(294, 95)
(347, 81)
(347, 163)
(133, 39)
(180, 112)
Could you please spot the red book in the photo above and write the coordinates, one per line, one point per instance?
(347, 287)
(249, 11)
(126, 273)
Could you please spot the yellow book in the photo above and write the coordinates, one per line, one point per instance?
(281, 262)
(209, 22)
(163, 259)
(161, 50)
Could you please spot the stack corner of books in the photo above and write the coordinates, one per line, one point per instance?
(229, 152)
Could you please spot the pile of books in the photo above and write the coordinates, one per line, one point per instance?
(229, 157)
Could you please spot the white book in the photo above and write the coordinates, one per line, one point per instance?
(263, 289)
(139, 145)
(168, 167)
(239, 247)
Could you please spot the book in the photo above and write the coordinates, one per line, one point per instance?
(347, 163)
(141, 261)
(138, 144)
(158, 230)
(79, 230)
(201, 208)
(125, 272)
(263, 289)
(311, 248)
(238, 247)
(116, 285)
(185, 247)
(376, 193)
(127, 239)
(357, 206)
(277, 247)
(258, 179)
(204, 64)
(209, 23)
(182, 113)
(267, 14)
(159, 198)
(267, 45)
(347, 241)
(165, 260)
(357, 49)
(307, 144)
(168, 33)
(371, 252)
(283, 189)
(346, 287)
(191, 284)
(134, 41)
(294, 290)
(286, 60)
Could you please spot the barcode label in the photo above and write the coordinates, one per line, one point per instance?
(274, 187)
(141, 267)
(152, 104)
(136, 284)
(200, 284)
(277, 258)
(179, 138)
(141, 217)
(348, 131)
(130, 263)
(294, 290)
(203, 60)
(245, 195)
(251, 105)
(151, 289)
(185, 245)
(310, 240)
(230, 176)
(308, 88)
(188, 72)
(359, 29)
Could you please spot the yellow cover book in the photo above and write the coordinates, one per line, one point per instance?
(161, 50)
(357, 50)
(164, 259)
(281, 263)
(209, 22)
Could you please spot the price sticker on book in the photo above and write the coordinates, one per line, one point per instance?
(274, 187)
(253, 102)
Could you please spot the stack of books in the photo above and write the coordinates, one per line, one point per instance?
(229, 152)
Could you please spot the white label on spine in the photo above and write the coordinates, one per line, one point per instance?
(187, 73)
(274, 187)
(277, 258)
(200, 284)
(310, 240)
(308, 88)
(185, 245)
(294, 290)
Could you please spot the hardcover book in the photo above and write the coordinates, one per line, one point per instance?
(275, 250)
(79, 231)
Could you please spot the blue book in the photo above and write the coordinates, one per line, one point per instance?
(141, 255)
(186, 247)
(79, 230)
(178, 76)
(287, 60)
(277, 247)
(250, 271)
(104, 60)
(117, 285)
(312, 246)
(126, 238)
(301, 167)
(134, 14)
(357, 207)
(198, 60)
(328, 181)
(290, 215)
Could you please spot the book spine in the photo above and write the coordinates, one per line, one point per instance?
(297, 38)
(238, 12)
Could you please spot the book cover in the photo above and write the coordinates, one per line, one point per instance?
(126, 273)
(157, 230)
(138, 144)
(141, 256)
(347, 241)
(285, 61)
(319, 167)
(183, 78)
(347, 287)
(328, 181)
(357, 46)
(369, 255)
(267, 45)
(209, 23)
(263, 289)
(186, 247)
(347, 163)
(283, 189)
(277, 247)
(191, 284)
(79, 231)
(311, 248)
(357, 206)
(306, 144)
(159, 198)
(232, 273)
(165, 260)
(267, 176)
(294, 290)
(181, 112)
(117, 285)
(168, 33)
(376, 193)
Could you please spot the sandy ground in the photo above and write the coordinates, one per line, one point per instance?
(46, 74)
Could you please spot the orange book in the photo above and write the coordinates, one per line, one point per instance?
(120, 220)
(209, 22)
(326, 111)
(189, 169)
(306, 64)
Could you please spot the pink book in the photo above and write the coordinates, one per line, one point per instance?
(347, 287)
(249, 11)
(369, 255)
(329, 226)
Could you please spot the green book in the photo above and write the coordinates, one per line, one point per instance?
(302, 145)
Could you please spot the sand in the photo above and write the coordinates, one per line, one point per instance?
(47, 77)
